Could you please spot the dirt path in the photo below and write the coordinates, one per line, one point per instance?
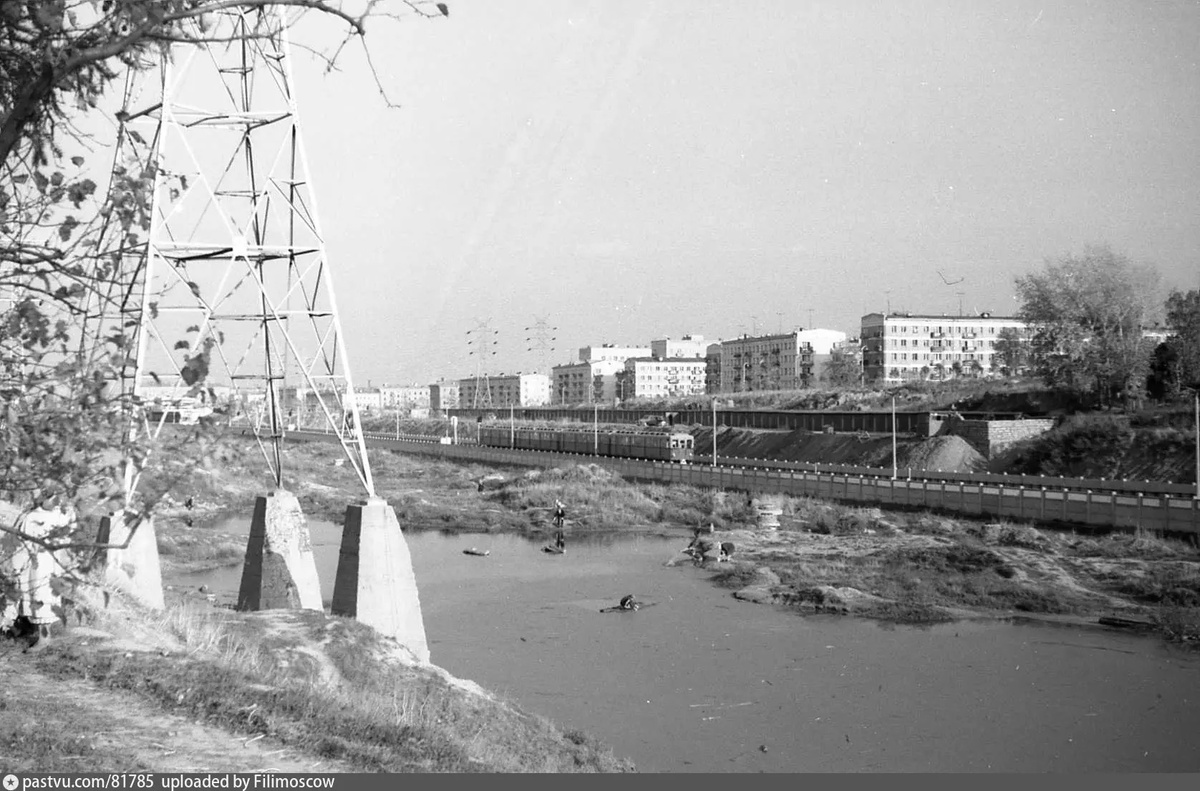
(125, 733)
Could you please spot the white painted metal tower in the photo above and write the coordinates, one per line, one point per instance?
(235, 281)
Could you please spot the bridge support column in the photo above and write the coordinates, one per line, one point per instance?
(134, 570)
(375, 582)
(280, 571)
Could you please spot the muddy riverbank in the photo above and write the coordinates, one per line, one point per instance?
(912, 567)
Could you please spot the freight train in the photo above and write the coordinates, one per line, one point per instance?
(629, 443)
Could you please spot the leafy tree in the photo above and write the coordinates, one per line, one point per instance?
(1087, 315)
(1183, 317)
(65, 241)
(1166, 373)
(1012, 350)
(843, 369)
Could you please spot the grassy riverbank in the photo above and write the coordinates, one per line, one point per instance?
(329, 694)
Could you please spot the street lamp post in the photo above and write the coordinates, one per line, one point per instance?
(893, 438)
(1196, 426)
(714, 406)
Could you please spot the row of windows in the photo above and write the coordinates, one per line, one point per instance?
(938, 356)
(989, 342)
(949, 329)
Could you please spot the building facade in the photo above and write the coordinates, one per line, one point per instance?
(443, 396)
(651, 377)
(585, 382)
(787, 361)
(689, 346)
(404, 398)
(610, 351)
(505, 390)
(903, 347)
(712, 368)
(369, 399)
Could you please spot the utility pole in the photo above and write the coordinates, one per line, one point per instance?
(595, 430)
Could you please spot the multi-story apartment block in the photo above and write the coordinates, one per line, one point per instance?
(506, 390)
(651, 377)
(900, 347)
(687, 346)
(404, 398)
(586, 382)
(775, 362)
(610, 351)
(368, 399)
(443, 396)
(712, 368)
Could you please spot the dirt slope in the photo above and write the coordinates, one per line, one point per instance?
(872, 450)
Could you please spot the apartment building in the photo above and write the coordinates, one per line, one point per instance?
(712, 368)
(505, 390)
(368, 399)
(442, 396)
(652, 377)
(900, 347)
(404, 398)
(611, 351)
(585, 382)
(787, 361)
(689, 346)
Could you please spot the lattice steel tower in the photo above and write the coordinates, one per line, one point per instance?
(541, 339)
(481, 344)
(236, 263)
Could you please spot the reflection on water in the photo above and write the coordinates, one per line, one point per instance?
(704, 682)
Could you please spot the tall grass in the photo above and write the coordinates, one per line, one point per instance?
(333, 687)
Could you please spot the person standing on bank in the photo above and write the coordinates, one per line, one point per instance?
(560, 519)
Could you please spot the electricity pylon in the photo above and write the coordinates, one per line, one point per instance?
(234, 283)
(541, 339)
(481, 344)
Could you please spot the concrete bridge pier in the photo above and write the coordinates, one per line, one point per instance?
(280, 571)
(135, 570)
(375, 582)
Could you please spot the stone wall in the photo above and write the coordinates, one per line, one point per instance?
(993, 436)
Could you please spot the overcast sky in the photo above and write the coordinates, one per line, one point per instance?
(632, 170)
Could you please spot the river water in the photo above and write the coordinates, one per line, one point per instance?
(702, 682)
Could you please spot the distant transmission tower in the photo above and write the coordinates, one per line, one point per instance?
(541, 340)
(234, 282)
(481, 345)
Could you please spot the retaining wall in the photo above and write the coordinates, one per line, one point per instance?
(992, 436)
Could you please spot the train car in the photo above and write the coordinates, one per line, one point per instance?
(677, 446)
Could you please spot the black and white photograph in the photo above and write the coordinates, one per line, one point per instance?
(796, 387)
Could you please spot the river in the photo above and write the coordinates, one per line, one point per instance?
(702, 682)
